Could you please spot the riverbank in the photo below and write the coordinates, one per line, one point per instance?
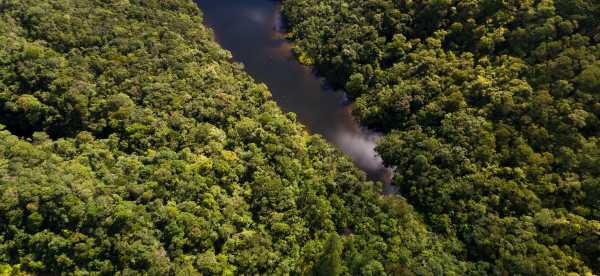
(253, 32)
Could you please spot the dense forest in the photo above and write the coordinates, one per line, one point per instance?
(491, 115)
(130, 144)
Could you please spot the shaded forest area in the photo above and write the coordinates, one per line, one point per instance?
(491, 112)
(131, 145)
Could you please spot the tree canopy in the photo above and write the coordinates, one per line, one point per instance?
(131, 144)
(491, 110)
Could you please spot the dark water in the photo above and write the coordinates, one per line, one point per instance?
(251, 30)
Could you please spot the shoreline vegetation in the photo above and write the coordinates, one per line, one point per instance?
(490, 111)
(131, 144)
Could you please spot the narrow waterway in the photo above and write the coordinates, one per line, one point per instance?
(251, 30)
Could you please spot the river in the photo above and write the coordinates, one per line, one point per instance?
(251, 30)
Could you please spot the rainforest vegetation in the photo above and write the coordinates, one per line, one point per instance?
(491, 115)
(130, 144)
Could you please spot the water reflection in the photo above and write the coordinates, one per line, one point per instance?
(251, 30)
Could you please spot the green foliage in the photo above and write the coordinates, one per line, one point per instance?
(491, 115)
(8, 270)
(131, 144)
(330, 262)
